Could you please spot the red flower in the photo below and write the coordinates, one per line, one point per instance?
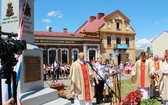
(62, 93)
(133, 98)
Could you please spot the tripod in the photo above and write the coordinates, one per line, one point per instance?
(8, 77)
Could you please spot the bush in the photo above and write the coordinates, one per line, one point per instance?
(152, 101)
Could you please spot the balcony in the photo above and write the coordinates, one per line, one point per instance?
(121, 46)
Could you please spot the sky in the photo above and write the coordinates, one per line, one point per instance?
(149, 18)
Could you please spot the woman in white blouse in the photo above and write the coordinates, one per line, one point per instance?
(99, 75)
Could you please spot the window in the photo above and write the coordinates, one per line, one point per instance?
(92, 54)
(75, 52)
(108, 40)
(127, 56)
(64, 55)
(117, 25)
(127, 41)
(118, 40)
(51, 54)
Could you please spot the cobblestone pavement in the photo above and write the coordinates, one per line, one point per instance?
(67, 82)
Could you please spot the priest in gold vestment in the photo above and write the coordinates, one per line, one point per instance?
(163, 82)
(80, 76)
(157, 66)
(141, 75)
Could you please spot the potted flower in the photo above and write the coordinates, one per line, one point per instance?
(133, 98)
(62, 93)
(57, 85)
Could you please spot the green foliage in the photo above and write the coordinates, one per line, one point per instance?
(151, 101)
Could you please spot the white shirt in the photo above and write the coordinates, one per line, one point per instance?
(100, 71)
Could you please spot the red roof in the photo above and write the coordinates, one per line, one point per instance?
(92, 26)
(96, 24)
(52, 34)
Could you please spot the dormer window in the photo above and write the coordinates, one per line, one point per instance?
(118, 25)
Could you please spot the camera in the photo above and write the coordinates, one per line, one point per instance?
(10, 46)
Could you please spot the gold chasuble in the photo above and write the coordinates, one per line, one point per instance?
(80, 75)
(141, 73)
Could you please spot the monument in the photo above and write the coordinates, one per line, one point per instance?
(18, 17)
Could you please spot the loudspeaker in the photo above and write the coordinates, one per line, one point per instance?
(45, 57)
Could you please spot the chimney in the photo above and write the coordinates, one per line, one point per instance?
(50, 29)
(65, 30)
(100, 15)
(92, 18)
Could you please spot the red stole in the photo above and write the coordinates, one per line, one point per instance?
(142, 74)
(157, 65)
(86, 82)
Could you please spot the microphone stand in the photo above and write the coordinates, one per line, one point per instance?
(111, 90)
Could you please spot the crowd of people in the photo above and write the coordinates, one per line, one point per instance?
(56, 72)
(150, 73)
(83, 77)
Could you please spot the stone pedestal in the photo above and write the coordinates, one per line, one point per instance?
(31, 89)
(45, 96)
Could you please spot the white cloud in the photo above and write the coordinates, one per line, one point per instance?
(55, 14)
(46, 20)
(143, 44)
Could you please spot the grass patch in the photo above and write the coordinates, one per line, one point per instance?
(127, 87)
